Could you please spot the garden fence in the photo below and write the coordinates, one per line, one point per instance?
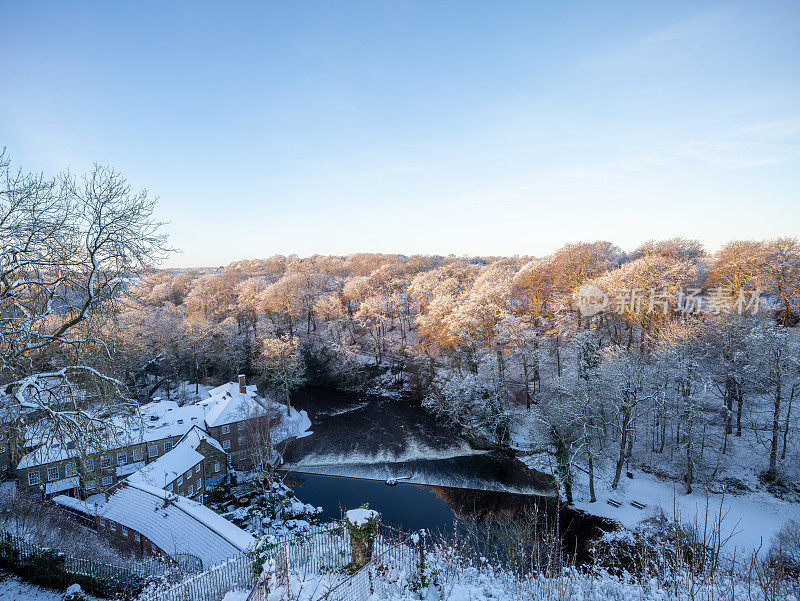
(211, 585)
(52, 568)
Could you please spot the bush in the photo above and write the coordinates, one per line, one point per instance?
(786, 547)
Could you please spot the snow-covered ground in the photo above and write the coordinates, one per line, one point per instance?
(751, 520)
(14, 589)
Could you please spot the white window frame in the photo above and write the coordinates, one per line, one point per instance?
(105, 461)
(199, 485)
(69, 470)
(217, 467)
(180, 480)
(137, 454)
(122, 458)
(191, 490)
(90, 485)
(137, 537)
(242, 455)
(53, 470)
(169, 488)
(88, 465)
(152, 450)
(226, 444)
(197, 469)
(34, 477)
(226, 429)
(241, 441)
(171, 446)
(107, 481)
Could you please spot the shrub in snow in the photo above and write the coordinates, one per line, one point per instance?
(786, 548)
(363, 526)
(74, 593)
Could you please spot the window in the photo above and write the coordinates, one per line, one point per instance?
(226, 444)
(137, 537)
(124, 531)
(167, 446)
(122, 458)
(191, 490)
(107, 480)
(69, 470)
(137, 454)
(216, 468)
(226, 429)
(199, 485)
(88, 465)
(241, 441)
(169, 488)
(197, 469)
(90, 485)
(180, 480)
(242, 455)
(240, 426)
(53, 473)
(152, 450)
(34, 477)
(105, 461)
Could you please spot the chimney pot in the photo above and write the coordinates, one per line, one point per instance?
(242, 386)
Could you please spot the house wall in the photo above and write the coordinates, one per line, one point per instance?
(92, 471)
(194, 478)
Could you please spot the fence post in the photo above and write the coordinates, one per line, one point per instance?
(286, 573)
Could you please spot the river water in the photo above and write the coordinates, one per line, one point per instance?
(359, 442)
(378, 438)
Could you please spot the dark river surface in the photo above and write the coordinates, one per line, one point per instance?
(379, 438)
(359, 442)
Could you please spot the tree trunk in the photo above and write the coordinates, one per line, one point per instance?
(623, 444)
(786, 425)
(740, 400)
(773, 449)
(527, 382)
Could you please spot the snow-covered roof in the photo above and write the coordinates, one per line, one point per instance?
(168, 467)
(232, 407)
(164, 419)
(174, 524)
(61, 485)
(129, 468)
(231, 387)
(46, 454)
(196, 435)
(76, 504)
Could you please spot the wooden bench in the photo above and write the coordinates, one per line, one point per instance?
(613, 503)
(638, 505)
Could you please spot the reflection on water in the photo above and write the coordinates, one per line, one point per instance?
(439, 509)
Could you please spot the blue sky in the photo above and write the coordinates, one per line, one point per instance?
(432, 127)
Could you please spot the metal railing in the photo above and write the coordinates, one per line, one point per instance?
(396, 558)
(211, 585)
(54, 568)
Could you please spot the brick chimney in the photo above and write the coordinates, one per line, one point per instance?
(242, 386)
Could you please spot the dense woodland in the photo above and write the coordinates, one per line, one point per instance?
(498, 346)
